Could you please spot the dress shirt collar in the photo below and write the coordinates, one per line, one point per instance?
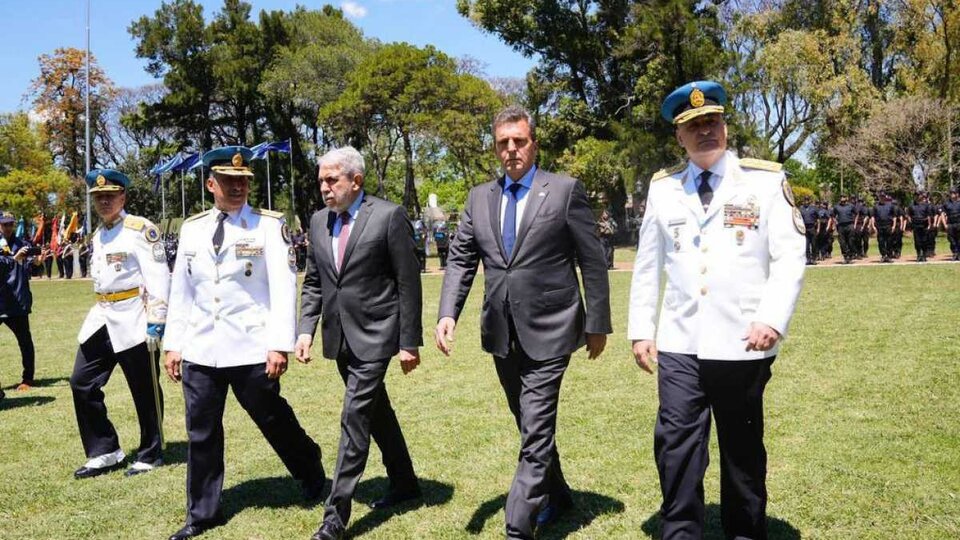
(114, 223)
(234, 215)
(355, 207)
(719, 170)
(526, 181)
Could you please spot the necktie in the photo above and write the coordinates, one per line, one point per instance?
(218, 234)
(704, 190)
(510, 219)
(344, 236)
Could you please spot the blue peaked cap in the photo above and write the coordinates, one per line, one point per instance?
(101, 180)
(692, 100)
(229, 160)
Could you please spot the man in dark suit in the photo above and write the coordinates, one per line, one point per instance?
(529, 228)
(362, 286)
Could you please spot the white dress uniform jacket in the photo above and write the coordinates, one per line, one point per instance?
(739, 262)
(230, 309)
(127, 255)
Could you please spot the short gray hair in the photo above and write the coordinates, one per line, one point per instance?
(512, 114)
(346, 158)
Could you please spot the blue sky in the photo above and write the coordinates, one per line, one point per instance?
(29, 29)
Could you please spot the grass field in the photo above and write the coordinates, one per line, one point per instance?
(863, 430)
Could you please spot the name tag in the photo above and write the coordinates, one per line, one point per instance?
(113, 258)
(247, 250)
(737, 215)
(676, 222)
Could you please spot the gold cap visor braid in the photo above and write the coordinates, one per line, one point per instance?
(690, 114)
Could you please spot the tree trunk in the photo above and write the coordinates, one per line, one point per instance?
(410, 200)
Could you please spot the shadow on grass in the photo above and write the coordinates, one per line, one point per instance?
(777, 529)
(274, 492)
(434, 494)
(52, 381)
(14, 401)
(175, 453)
(587, 506)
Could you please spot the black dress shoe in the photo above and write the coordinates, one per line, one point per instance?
(89, 472)
(554, 510)
(394, 498)
(196, 529)
(327, 531)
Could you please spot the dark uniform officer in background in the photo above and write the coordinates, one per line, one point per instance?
(845, 216)
(131, 284)
(864, 214)
(809, 211)
(935, 210)
(896, 239)
(826, 226)
(17, 259)
(950, 217)
(606, 229)
(231, 324)
(420, 239)
(885, 222)
(441, 237)
(921, 220)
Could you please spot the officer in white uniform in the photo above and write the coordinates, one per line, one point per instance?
(131, 284)
(731, 243)
(231, 324)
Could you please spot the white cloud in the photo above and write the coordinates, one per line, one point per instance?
(353, 9)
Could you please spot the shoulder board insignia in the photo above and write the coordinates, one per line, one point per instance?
(670, 171)
(197, 216)
(265, 212)
(133, 222)
(763, 165)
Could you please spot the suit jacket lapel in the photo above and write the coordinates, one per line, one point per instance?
(325, 244)
(356, 230)
(535, 198)
(493, 204)
(727, 189)
(690, 198)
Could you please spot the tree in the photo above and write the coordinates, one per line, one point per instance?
(22, 145)
(599, 165)
(59, 98)
(900, 147)
(28, 193)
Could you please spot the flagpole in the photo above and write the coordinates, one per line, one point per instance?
(293, 195)
(163, 200)
(183, 199)
(86, 117)
(203, 198)
(269, 201)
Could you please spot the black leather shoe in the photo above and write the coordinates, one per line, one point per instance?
(88, 472)
(189, 531)
(327, 531)
(394, 498)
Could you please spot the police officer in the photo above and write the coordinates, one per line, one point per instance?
(950, 217)
(17, 259)
(419, 238)
(864, 215)
(885, 221)
(131, 285)
(921, 220)
(896, 239)
(935, 210)
(845, 216)
(441, 237)
(606, 228)
(725, 234)
(809, 211)
(231, 324)
(825, 227)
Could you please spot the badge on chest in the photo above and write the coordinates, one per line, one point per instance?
(745, 215)
(247, 248)
(116, 259)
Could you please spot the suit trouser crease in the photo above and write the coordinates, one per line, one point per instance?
(205, 393)
(20, 326)
(690, 389)
(95, 362)
(532, 389)
(367, 413)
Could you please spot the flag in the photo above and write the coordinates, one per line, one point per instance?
(72, 227)
(187, 162)
(38, 235)
(261, 150)
(162, 167)
(21, 229)
(54, 237)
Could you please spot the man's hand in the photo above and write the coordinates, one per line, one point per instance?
(302, 348)
(645, 354)
(276, 364)
(172, 365)
(409, 360)
(444, 334)
(761, 337)
(595, 345)
(20, 255)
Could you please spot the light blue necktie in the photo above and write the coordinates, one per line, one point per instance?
(510, 219)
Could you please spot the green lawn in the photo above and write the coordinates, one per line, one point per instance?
(863, 430)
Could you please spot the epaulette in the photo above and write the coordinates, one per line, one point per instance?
(265, 212)
(750, 163)
(133, 222)
(663, 173)
(197, 216)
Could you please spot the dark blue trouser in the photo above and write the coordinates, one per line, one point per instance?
(690, 389)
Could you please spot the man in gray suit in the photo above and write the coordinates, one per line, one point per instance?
(530, 228)
(363, 286)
